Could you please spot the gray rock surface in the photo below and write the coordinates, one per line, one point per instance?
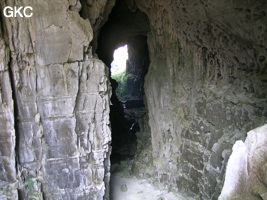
(246, 169)
(205, 88)
(7, 127)
(61, 132)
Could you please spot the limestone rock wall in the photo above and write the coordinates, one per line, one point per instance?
(7, 128)
(137, 66)
(246, 170)
(55, 135)
(206, 87)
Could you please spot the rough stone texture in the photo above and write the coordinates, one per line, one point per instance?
(7, 129)
(205, 88)
(246, 169)
(62, 97)
(97, 11)
(136, 66)
(142, 165)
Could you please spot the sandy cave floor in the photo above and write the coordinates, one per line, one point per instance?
(130, 188)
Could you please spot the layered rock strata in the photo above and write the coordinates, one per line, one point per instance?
(206, 88)
(55, 135)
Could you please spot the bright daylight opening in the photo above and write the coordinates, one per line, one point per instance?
(118, 66)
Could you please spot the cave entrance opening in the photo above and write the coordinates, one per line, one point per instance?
(126, 24)
(128, 70)
(123, 138)
(120, 57)
(128, 110)
(118, 70)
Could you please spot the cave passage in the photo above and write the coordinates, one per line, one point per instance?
(130, 27)
(127, 102)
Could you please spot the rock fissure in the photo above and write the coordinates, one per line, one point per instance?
(15, 111)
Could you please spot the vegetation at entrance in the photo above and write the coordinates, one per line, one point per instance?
(122, 79)
(118, 72)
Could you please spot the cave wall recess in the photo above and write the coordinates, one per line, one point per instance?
(204, 89)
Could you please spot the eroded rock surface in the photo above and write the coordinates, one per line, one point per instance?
(246, 168)
(61, 131)
(205, 89)
(7, 128)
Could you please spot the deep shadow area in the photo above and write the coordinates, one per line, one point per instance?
(126, 25)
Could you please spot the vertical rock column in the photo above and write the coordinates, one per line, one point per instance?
(62, 97)
(7, 130)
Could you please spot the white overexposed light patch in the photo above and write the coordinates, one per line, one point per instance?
(119, 63)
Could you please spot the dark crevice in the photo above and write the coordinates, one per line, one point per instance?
(4, 35)
(83, 12)
(16, 119)
(12, 85)
(16, 108)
